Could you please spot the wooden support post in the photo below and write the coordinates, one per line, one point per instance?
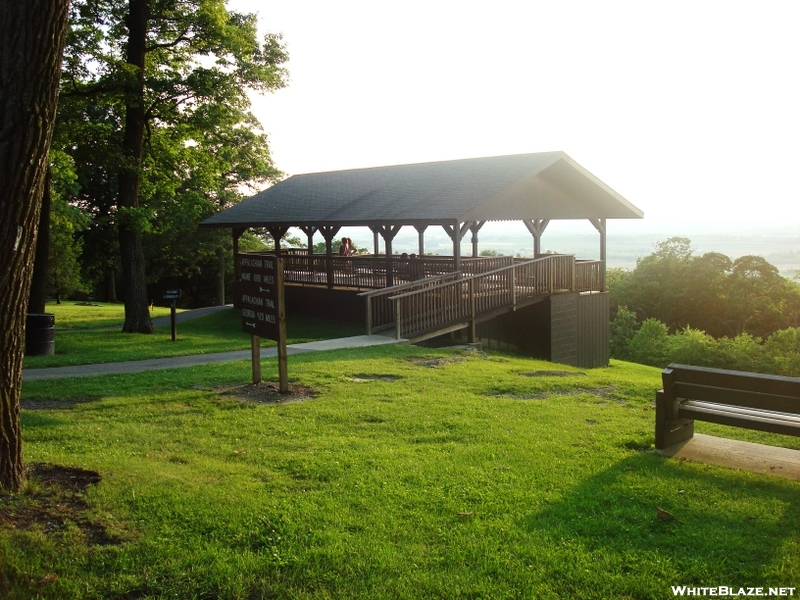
(389, 262)
(456, 234)
(376, 246)
(309, 230)
(600, 225)
(472, 333)
(514, 288)
(328, 232)
(277, 232)
(255, 358)
(173, 320)
(283, 372)
(475, 228)
(536, 227)
(237, 270)
(388, 232)
(397, 318)
(421, 233)
(369, 315)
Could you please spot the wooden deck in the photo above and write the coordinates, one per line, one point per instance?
(428, 297)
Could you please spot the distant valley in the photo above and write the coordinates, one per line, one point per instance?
(780, 245)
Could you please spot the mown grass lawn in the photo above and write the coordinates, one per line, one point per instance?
(217, 332)
(414, 473)
(71, 315)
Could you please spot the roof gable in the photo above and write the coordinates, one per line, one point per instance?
(542, 185)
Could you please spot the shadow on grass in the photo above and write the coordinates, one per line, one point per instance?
(704, 521)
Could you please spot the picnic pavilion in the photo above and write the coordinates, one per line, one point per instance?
(551, 306)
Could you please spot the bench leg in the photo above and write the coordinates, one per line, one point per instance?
(669, 429)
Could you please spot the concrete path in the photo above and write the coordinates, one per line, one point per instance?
(137, 366)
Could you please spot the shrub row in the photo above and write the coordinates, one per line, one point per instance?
(652, 344)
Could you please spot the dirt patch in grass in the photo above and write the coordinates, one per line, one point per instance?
(268, 392)
(462, 354)
(605, 392)
(552, 374)
(367, 377)
(53, 499)
(56, 403)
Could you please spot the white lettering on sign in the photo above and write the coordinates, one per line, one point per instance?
(247, 299)
(270, 319)
(269, 279)
(248, 314)
(257, 277)
(270, 303)
(245, 276)
(248, 261)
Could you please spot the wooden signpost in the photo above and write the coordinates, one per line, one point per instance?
(173, 296)
(263, 313)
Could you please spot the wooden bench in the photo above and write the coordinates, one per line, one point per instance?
(752, 400)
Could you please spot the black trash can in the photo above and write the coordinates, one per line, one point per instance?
(40, 330)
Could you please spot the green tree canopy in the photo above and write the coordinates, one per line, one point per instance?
(155, 112)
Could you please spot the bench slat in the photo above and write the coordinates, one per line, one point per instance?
(751, 382)
(736, 397)
(719, 414)
(743, 411)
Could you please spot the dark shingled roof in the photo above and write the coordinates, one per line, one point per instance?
(547, 185)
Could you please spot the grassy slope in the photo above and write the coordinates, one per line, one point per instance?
(465, 481)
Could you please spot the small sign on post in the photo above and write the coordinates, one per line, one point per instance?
(173, 295)
(263, 312)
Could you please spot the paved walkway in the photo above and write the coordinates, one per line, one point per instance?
(177, 362)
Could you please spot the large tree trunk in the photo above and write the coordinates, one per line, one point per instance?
(111, 287)
(31, 42)
(134, 282)
(38, 295)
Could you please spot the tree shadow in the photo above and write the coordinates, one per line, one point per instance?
(705, 522)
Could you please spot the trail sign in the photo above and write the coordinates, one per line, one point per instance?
(259, 296)
(172, 296)
(260, 293)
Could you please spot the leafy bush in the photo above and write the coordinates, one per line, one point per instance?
(783, 348)
(650, 345)
(623, 328)
(693, 347)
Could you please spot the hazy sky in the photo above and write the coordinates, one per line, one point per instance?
(690, 110)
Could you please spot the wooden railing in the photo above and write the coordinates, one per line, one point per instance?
(458, 301)
(380, 309)
(590, 276)
(370, 271)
